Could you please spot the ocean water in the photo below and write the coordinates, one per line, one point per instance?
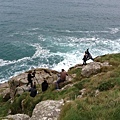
(55, 33)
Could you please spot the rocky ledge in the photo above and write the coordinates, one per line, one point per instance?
(49, 109)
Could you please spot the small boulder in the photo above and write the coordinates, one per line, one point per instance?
(51, 110)
(93, 68)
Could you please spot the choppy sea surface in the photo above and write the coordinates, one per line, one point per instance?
(55, 33)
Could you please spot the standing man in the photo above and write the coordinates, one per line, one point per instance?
(62, 78)
(33, 74)
(85, 58)
(29, 78)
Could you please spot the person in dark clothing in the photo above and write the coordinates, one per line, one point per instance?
(33, 74)
(85, 59)
(29, 78)
(33, 90)
(44, 85)
(89, 56)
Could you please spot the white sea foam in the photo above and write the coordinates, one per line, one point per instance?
(3, 80)
(34, 29)
(114, 30)
(39, 50)
(69, 61)
(6, 62)
(109, 30)
(24, 33)
(97, 46)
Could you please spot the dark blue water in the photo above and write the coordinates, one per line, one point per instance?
(54, 34)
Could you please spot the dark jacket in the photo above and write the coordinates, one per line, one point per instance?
(44, 85)
(33, 92)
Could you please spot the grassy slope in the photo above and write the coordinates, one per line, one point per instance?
(104, 106)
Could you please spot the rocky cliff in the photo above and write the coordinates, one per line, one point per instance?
(49, 105)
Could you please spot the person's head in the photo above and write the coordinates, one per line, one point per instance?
(34, 71)
(45, 80)
(34, 85)
(63, 70)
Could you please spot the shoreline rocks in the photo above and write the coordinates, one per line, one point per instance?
(17, 85)
(8, 89)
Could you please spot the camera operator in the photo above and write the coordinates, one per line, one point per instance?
(29, 78)
(33, 74)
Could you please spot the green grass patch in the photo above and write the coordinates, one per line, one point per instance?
(75, 71)
(4, 107)
(104, 106)
(91, 109)
(105, 86)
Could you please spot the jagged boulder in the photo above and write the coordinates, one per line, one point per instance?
(93, 68)
(47, 110)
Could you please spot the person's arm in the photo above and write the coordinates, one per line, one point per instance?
(33, 75)
(29, 90)
(66, 73)
(59, 74)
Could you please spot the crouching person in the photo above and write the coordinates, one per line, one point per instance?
(33, 90)
(62, 78)
(44, 85)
